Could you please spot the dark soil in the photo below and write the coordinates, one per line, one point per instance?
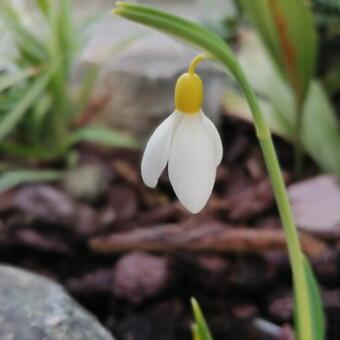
(134, 256)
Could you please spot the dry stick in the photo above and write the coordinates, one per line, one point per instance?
(211, 237)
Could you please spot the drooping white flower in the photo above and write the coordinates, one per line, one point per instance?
(189, 143)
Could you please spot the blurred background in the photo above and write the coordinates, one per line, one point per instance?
(80, 93)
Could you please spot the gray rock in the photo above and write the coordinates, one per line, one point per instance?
(35, 308)
(141, 83)
(43, 203)
(140, 77)
(315, 204)
(87, 182)
(138, 275)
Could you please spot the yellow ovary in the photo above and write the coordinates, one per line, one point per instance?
(189, 93)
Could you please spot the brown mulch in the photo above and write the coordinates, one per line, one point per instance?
(134, 256)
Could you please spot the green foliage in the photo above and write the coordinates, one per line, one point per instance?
(10, 179)
(318, 318)
(320, 136)
(37, 110)
(327, 14)
(326, 8)
(200, 328)
(287, 29)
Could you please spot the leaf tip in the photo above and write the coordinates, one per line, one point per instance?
(195, 306)
(194, 302)
(119, 7)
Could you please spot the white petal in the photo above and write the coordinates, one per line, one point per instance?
(215, 136)
(157, 150)
(192, 163)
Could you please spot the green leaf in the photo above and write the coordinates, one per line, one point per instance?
(8, 123)
(198, 36)
(318, 318)
(320, 136)
(11, 179)
(44, 6)
(28, 151)
(195, 332)
(25, 40)
(9, 80)
(178, 27)
(88, 83)
(103, 136)
(201, 326)
(287, 29)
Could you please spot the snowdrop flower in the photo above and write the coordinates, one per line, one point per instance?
(189, 143)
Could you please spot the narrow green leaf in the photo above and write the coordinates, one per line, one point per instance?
(39, 118)
(29, 152)
(287, 29)
(9, 80)
(26, 40)
(198, 36)
(66, 34)
(11, 119)
(88, 83)
(44, 6)
(318, 316)
(178, 27)
(41, 109)
(11, 179)
(101, 135)
(202, 329)
(320, 135)
(195, 332)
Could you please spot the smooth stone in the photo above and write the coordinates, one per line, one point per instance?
(139, 67)
(315, 204)
(87, 182)
(141, 82)
(35, 308)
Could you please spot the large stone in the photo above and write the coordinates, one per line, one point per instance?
(139, 275)
(35, 308)
(139, 77)
(141, 81)
(87, 182)
(316, 203)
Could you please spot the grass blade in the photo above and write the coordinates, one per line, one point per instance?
(103, 136)
(11, 179)
(28, 151)
(8, 123)
(9, 80)
(201, 327)
(44, 6)
(319, 135)
(195, 332)
(27, 42)
(315, 296)
(287, 29)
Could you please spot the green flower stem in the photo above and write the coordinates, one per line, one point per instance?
(196, 61)
(220, 51)
(294, 249)
(298, 152)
